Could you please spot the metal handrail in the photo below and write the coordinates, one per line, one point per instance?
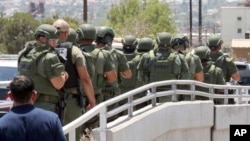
(101, 109)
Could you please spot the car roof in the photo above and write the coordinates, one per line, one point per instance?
(241, 62)
(8, 60)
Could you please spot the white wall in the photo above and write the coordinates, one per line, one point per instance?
(230, 24)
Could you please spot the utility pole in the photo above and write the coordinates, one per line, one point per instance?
(190, 23)
(200, 22)
(85, 11)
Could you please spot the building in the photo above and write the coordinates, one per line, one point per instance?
(235, 22)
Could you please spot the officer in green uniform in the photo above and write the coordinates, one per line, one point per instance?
(38, 61)
(162, 64)
(180, 44)
(79, 77)
(129, 43)
(104, 39)
(212, 73)
(221, 60)
(104, 69)
(145, 45)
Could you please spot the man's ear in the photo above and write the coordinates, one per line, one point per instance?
(34, 95)
(10, 95)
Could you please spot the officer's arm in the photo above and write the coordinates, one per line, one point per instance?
(236, 76)
(55, 71)
(126, 74)
(123, 66)
(86, 85)
(110, 76)
(199, 76)
(59, 81)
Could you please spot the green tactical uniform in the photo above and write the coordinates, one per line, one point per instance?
(41, 64)
(194, 64)
(225, 63)
(129, 43)
(162, 64)
(112, 89)
(212, 74)
(103, 63)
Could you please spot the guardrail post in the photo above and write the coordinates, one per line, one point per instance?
(192, 88)
(174, 96)
(154, 99)
(130, 109)
(225, 99)
(103, 123)
(211, 91)
(240, 94)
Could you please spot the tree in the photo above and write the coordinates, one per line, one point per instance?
(140, 18)
(18, 29)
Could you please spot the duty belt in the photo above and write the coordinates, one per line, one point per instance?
(47, 98)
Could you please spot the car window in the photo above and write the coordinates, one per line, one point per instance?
(241, 67)
(7, 73)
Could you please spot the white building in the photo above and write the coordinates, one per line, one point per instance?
(235, 22)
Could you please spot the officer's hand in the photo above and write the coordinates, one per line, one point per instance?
(90, 106)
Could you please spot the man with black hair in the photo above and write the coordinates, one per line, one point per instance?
(26, 122)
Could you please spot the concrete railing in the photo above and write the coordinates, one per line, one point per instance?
(241, 93)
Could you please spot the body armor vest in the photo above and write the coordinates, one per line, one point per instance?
(31, 63)
(64, 50)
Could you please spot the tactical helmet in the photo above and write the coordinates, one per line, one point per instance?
(180, 39)
(214, 42)
(47, 30)
(104, 35)
(163, 38)
(203, 52)
(129, 42)
(145, 44)
(86, 31)
(72, 35)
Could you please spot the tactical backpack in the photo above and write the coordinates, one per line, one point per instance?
(158, 67)
(90, 64)
(221, 62)
(191, 63)
(32, 63)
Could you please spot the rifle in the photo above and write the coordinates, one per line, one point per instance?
(61, 104)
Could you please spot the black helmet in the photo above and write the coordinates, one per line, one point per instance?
(214, 42)
(203, 52)
(86, 31)
(104, 35)
(47, 30)
(180, 39)
(145, 44)
(163, 38)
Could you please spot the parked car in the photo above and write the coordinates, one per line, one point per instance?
(8, 69)
(244, 70)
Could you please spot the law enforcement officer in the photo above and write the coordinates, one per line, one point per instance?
(104, 69)
(162, 64)
(76, 67)
(221, 60)
(129, 43)
(104, 39)
(212, 73)
(38, 61)
(180, 44)
(102, 60)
